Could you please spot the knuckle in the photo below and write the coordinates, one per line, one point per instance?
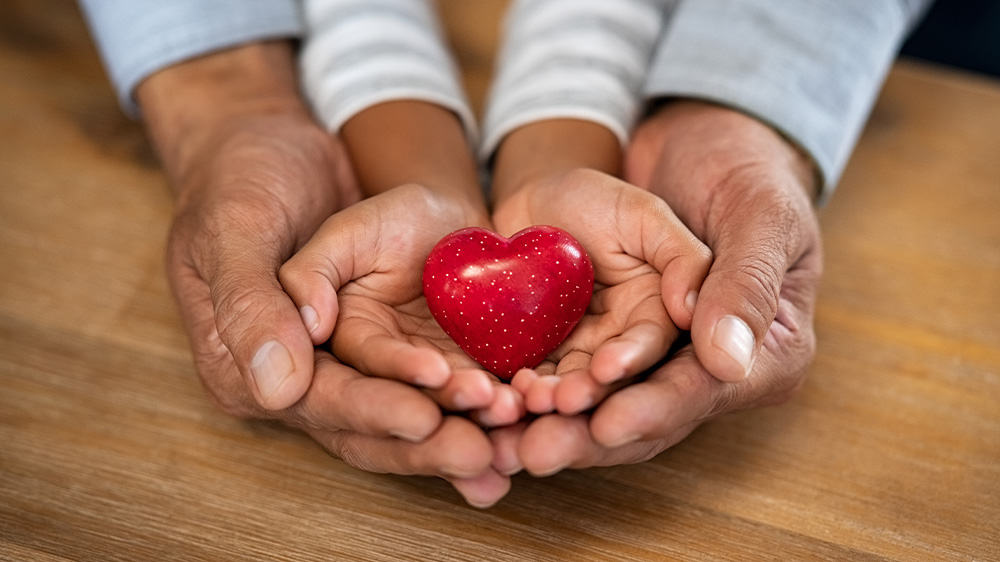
(776, 378)
(290, 271)
(726, 400)
(234, 408)
(758, 285)
(350, 451)
(238, 308)
(226, 389)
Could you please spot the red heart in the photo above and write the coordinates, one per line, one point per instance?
(508, 303)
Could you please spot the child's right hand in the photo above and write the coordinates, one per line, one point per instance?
(358, 280)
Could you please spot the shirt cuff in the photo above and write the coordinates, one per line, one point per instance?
(139, 37)
(811, 71)
(571, 59)
(359, 53)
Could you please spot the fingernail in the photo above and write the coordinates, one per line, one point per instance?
(309, 318)
(270, 366)
(690, 300)
(497, 413)
(406, 436)
(511, 470)
(585, 404)
(550, 471)
(623, 440)
(461, 400)
(734, 337)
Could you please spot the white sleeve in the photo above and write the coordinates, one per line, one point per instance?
(359, 53)
(580, 59)
(809, 68)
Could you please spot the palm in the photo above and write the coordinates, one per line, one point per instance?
(632, 239)
(364, 265)
(369, 314)
(627, 293)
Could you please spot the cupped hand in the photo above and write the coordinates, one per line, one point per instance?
(254, 177)
(254, 192)
(246, 210)
(747, 192)
(648, 269)
(382, 425)
(360, 277)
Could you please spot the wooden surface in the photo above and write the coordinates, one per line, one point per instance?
(109, 449)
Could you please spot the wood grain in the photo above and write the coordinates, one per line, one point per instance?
(111, 451)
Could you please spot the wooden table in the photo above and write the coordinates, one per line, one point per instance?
(110, 450)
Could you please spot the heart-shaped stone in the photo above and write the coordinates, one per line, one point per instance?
(508, 302)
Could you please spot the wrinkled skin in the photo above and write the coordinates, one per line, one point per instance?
(746, 192)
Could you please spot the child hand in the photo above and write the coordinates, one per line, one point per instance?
(358, 279)
(648, 268)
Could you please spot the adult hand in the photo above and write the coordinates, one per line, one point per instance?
(254, 177)
(647, 268)
(746, 192)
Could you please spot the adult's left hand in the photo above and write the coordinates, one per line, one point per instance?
(746, 192)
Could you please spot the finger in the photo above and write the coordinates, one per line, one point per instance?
(739, 299)
(662, 407)
(505, 446)
(551, 443)
(507, 407)
(223, 380)
(484, 490)
(640, 346)
(540, 397)
(577, 391)
(682, 260)
(256, 320)
(467, 389)
(523, 379)
(375, 352)
(554, 442)
(458, 449)
(314, 292)
(341, 398)
(339, 252)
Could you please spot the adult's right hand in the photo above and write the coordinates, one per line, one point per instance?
(254, 177)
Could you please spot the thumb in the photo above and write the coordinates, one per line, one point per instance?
(340, 251)
(258, 323)
(754, 246)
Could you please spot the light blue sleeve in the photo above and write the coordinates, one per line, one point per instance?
(810, 68)
(138, 37)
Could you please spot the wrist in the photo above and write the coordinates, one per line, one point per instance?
(739, 140)
(410, 141)
(192, 106)
(547, 149)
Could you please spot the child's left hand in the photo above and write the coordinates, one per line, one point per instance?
(648, 268)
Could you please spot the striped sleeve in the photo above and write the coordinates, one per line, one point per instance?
(810, 68)
(359, 53)
(582, 59)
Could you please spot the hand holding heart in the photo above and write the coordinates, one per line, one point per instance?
(647, 265)
(360, 274)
